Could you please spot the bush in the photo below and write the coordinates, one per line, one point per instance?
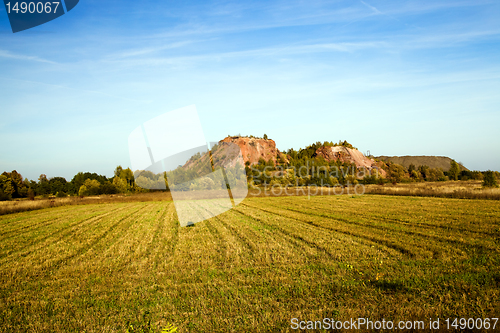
(370, 179)
(489, 179)
(351, 180)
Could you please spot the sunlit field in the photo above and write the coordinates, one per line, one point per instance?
(130, 267)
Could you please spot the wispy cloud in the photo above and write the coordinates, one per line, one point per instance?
(446, 39)
(75, 89)
(375, 10)
(367, 56)
(285, 50)
(423, 7)
(7, 54)
(396, 42)
(295, 19)
(298, 15)
(149, 50)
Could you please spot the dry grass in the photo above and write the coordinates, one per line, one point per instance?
(129, 266)
(450, 189)
(23, 205)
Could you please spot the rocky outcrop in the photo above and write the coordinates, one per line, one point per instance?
(253, 149)
(348, 155)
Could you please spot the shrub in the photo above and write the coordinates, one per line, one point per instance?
(333, 181)
(351, 180)
(371, 179)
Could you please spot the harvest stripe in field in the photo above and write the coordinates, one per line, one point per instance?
(107, 267)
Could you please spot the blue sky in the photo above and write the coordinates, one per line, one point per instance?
(392, 77)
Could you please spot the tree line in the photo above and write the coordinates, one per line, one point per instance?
(291, 168)
(315, 170)
(397, 173)
(14, 186)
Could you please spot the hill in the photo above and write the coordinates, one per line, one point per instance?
(253, 149)
(431, 161)
(349, 155)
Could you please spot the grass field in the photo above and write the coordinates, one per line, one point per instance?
(129, 266)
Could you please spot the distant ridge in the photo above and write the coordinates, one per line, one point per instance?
(432, 161)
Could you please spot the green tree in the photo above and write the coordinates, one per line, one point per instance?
(57, 185)
(436, 174)
(6, 188)
(454, 170)
(396, 172)
(19, 189)
(108, 188)
(411, 168)
(33, 185)
(82, 191)
(489, 179)
(424, 171)
(81, 177)
(78, 180)
(43, 185)
(92, 186)
(118, 171)
(128, 175)
(120, 184)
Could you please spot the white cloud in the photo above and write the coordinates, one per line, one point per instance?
(375, 10)
(148, 50)
(7, 54)
(76, 89)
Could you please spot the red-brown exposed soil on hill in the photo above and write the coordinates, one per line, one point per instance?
(348, 155)
(253, 149)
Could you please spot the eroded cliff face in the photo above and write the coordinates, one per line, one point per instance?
(344, 154)
(253, 149)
